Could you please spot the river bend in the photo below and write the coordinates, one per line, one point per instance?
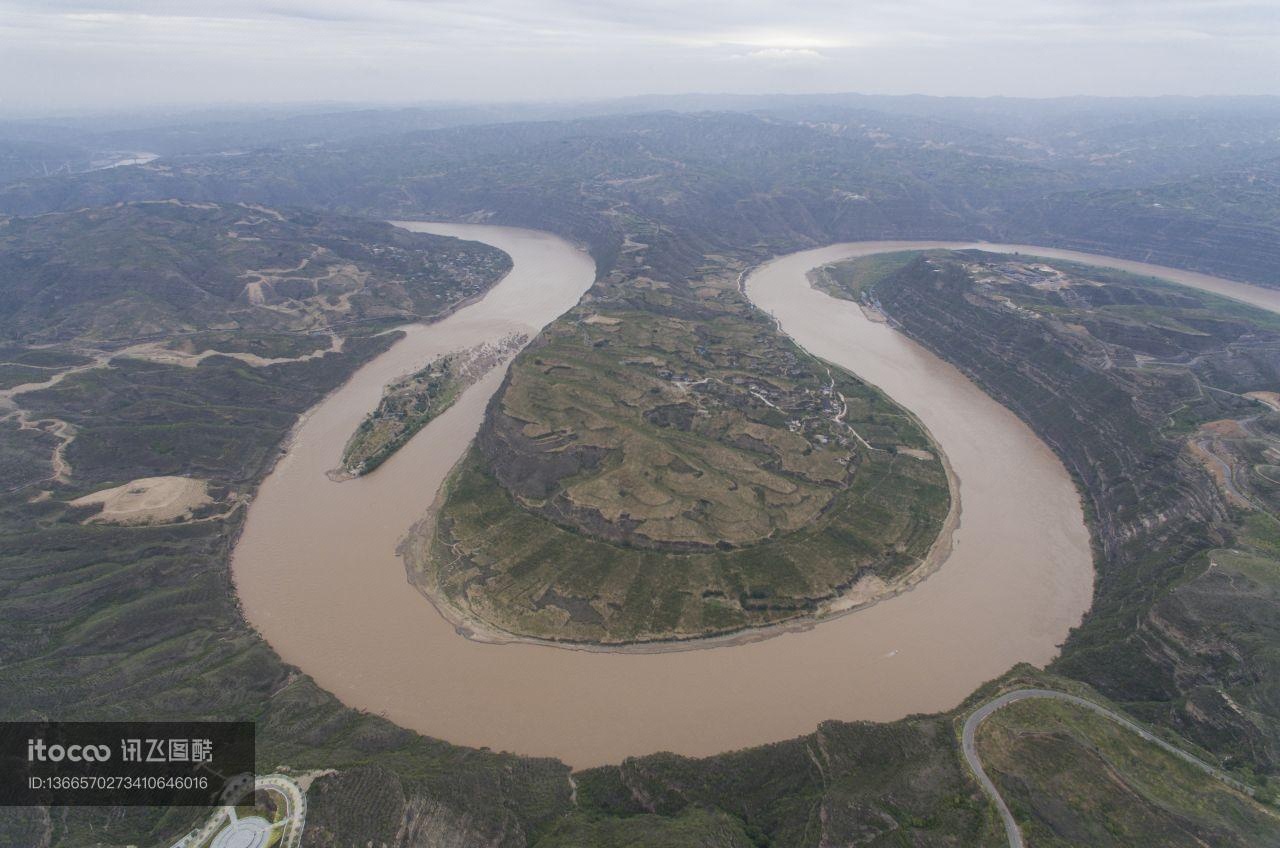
(318, 575)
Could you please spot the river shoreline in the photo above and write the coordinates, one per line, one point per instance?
(477, 630)
(319, 576)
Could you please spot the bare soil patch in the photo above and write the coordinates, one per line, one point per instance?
(148, 500)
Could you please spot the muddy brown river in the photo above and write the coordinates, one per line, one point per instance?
(318, 575)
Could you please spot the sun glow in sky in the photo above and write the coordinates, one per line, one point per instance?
(77, 53)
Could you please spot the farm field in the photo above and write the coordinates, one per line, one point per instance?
(643, 479)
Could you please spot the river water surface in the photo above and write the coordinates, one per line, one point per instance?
(318, 575)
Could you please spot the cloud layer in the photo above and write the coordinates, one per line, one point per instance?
(78, 53)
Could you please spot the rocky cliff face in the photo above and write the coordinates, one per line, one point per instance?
(1212, 634)
(1089, 383)
(1103, 421)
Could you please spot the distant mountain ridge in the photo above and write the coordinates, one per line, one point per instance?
(789, 173)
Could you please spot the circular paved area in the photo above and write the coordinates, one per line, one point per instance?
(250, 832)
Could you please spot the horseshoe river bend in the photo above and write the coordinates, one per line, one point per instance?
(318, 575)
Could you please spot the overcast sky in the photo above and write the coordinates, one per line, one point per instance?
(60, 54)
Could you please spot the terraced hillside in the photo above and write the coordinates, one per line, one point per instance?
(646, 478)
(1074, 778)
(143, 270)
(1157, 399)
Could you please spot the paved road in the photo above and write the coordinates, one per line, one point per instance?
(295, 810)
(293, 822)
(1228, 473)
(983, 712)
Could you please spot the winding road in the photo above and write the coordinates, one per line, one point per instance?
(982, 713)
